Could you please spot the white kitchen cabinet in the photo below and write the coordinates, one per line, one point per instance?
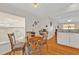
(68, 39)
(74, 41)
(63, 38)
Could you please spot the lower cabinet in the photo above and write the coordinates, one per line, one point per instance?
(74, 41)
(68, 39)
(62, 38)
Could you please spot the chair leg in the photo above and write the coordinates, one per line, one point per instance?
(10, 53)
(13, 52)
(47, 46)
(23, 51)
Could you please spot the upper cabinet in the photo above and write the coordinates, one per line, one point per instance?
(9, 20)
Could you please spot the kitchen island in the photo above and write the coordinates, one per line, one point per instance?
(68, 37)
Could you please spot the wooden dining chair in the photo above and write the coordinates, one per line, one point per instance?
(29, 42)
(15, 45)
(44, 34)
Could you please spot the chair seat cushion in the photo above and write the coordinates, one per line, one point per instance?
(19, 45)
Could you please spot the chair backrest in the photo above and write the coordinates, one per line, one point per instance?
(12, 39)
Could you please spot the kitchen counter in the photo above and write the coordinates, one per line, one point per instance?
(68, 38)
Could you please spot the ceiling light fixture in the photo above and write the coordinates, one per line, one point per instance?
(35, 5)
(68, 20)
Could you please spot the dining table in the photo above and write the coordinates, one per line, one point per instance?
(35, 41)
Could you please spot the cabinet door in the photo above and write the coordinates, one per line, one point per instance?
(63, 38)
(74, 42)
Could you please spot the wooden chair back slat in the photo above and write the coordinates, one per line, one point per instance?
(12, 39)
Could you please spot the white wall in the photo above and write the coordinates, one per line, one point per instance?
(10, 23)
(9, 20)
(19, 32)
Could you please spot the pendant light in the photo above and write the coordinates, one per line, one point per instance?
(35, 5)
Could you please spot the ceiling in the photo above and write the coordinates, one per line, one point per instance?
(56, 10)
(43, 9)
